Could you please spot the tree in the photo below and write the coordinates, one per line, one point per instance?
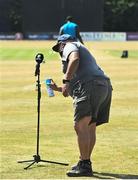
(121, 15)
(15, 15)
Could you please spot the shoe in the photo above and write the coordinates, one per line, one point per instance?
(76, 166)
(81, 169)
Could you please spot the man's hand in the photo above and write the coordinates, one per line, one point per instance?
(55, 87)
(65, 90)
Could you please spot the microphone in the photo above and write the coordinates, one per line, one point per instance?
(39, 59)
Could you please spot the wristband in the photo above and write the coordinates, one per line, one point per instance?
(65, 81)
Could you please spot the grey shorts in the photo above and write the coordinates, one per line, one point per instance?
(92, 98)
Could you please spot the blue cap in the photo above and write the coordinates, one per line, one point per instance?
(62, 38)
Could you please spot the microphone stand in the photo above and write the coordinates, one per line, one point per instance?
(36, 157)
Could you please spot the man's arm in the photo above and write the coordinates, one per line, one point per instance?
(61, 31)
(72, 65)
(71, 69)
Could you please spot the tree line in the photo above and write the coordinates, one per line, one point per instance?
(119, 15)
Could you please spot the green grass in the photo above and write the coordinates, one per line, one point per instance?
(115, 154)
(25, 53)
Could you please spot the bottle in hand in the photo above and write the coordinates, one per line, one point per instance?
(49, 89)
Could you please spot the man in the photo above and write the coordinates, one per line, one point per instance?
(71, 28)
(91, 91)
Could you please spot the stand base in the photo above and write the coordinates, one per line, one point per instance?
(37, 159)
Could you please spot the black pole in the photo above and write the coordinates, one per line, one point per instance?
(37, 158)
(38, 110)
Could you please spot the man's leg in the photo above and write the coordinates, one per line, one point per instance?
(83, 168)
(86, 137)
(83, 136)
(92, 135)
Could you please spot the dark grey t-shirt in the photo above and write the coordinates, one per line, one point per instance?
(88, 68)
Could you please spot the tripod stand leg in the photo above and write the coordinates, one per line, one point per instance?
(25, 161)
(53, 162)
(29, 165)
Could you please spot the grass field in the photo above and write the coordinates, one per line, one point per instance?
(116, 152)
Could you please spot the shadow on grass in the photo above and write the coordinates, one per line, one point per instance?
(98, 175)
(102, 175)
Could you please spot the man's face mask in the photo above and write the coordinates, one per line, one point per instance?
(61, 53)
(61, 48)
